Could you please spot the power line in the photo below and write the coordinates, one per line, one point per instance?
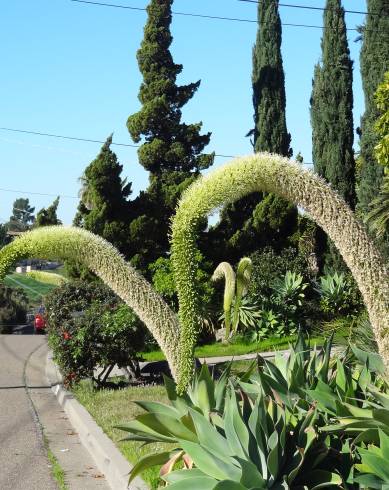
(51, 135)
(203, 16)
(310, 7)
(37, 193)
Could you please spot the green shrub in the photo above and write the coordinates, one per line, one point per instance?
(13, 308)
(47, 277)
(338, 295)
(89, 327)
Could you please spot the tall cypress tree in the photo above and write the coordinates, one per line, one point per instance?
(332, 106)
(374, 63)
(172, 150)
(48, 216)
(104, 208)
(249, 225)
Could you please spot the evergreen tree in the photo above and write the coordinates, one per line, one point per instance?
(374, 63)
(247, 225)
(47, 217)
(104, 208)
(22, 215)
(172, 150)
(332, 106)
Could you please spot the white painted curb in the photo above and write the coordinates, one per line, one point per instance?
(107, 457)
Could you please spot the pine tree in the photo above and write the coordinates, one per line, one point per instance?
(104, 208)
(22, 215)
(172, 150)
(332, 106)
(247, 225)
(47, 217)
(374, 63)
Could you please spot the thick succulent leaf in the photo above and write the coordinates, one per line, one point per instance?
(371, 359)
(236, 431)
(182, 402)
(229, 485)
(143, 430)
(167, 426)
(324, 396)
(156, 407)
(369, 481)
(251, 477)
(179, 475)
(210, 464)
(149, 461)
(384, 445)
(196, 483)
(209, 437)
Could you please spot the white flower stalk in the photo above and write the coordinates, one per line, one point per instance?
(226, 272)
(243, 276)
(275, 174)
(58, 242)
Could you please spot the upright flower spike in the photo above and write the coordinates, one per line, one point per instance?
(224, 270)
(272, 173)
(58, 242)
(243, 276)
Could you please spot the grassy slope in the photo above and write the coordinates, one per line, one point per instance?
(113, 407)
(35, 290)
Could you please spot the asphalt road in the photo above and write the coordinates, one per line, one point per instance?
(23, 460)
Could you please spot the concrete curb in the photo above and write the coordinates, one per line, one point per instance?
(107, 457)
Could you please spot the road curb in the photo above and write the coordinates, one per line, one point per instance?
(107, 457)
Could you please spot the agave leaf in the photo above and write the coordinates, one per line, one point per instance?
(371, 359)
(209, 437)
(369, 436)
(273, 462)
(210, 464)
(236, 431)
(149, 461)
(384, 444)
(156, 407)
(382, 415)
(341, 381)
(140, 429)
(196, 483)
(221, 388)
(229, 485)
(251, 477)
(369, 481)
(324, 396)
(179, 475)
(168, 466)
(167, 426)
(323, 373)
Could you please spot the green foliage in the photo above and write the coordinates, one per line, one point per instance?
(13, 307)
(163, 280)
(332, 106)
(104, 208)
(378, 217)
(89, 328)
(172, 150)
(374, 63)
(338, 295)
(47, 217)
(271, 174)
(268, 266)
(22, 215)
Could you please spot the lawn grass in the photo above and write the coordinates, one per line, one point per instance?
(35, 290)
(114, 407)
(236, 348)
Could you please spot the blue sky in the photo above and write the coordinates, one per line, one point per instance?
(71, 69)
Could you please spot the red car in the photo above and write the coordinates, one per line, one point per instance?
(39, 324)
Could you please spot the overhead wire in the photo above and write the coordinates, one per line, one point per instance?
(212, 17)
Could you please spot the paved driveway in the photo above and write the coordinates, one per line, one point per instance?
(23, 461)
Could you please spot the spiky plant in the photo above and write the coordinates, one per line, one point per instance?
(271, 173)
(224, 270)
(58, 242)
